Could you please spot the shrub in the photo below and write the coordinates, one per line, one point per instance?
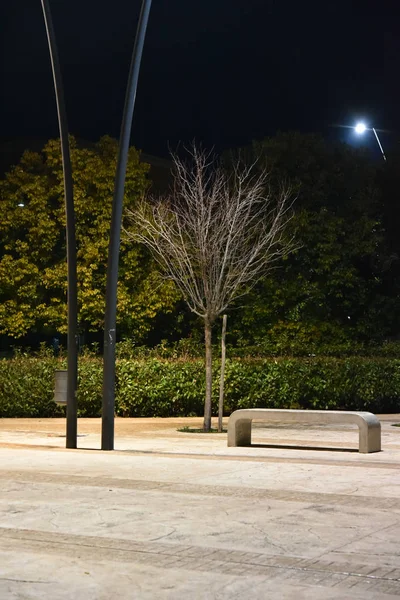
(90, 385)
(26, 387)
(160, 388)
(157, 387)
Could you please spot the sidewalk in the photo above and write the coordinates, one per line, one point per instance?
(180, 515)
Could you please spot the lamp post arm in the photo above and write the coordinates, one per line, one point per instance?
(379, 143)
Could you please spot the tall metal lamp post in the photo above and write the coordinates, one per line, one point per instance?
(108, 407)
(361, 128)
(72, 344)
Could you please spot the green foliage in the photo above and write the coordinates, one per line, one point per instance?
(338, 295)
(33, 251)
(335, 290)
(26, 387)
(186, 349)
(314, 383)
(90, 383)
(166, 388)
(160, 388)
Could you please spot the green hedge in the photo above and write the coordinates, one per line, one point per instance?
(188, 348)
(26, 387)
(161, 388)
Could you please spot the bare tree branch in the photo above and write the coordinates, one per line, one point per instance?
(215, 234)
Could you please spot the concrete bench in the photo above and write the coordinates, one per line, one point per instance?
(239, 424)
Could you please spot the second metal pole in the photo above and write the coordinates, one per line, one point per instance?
(108, 407)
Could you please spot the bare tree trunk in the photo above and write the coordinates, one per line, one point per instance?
(222, 378)
(207, 403)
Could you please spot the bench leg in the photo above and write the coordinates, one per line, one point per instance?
(239, 433)
(370, 437)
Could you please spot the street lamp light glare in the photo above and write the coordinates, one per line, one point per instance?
(360, 128)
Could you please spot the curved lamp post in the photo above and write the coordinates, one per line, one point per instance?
(361, 128)
(107, 428)
(72, 344)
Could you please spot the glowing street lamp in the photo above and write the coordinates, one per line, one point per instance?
(361, 128)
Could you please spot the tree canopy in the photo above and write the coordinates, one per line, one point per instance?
(341, 287)
(334, 289)
(33, 283)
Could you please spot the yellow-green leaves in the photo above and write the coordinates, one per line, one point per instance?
(33, 274)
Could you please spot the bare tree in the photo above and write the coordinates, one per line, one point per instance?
(214, 235)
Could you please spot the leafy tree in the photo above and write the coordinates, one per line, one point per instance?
(333, 289)
(33, 282)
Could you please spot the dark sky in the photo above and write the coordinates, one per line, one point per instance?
(221, 71)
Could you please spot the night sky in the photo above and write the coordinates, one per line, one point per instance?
(221, 71)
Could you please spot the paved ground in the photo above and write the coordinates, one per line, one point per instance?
(180, 515)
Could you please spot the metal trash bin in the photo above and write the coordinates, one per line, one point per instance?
(60, 387)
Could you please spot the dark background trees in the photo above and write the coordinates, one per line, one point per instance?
(340, 286)
(337, 292)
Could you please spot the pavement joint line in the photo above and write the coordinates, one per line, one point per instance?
(278, 459)
(139, 485)
(359, 461)
(270, 562)
(17, 580)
